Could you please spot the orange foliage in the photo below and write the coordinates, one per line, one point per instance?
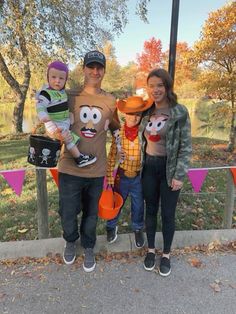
(151, 56)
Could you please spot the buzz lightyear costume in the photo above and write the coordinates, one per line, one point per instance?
(53, 105)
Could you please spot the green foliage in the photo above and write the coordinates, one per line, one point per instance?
(194, 211)
(213, 114)
(216, 52)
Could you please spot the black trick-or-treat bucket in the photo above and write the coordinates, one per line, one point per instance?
(43, 151)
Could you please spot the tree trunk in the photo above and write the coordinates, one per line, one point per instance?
(232, 134)
(18, 112)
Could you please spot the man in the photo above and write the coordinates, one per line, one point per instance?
(80, 188)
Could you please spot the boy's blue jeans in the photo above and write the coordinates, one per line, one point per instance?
(78, 194)
(133, 187)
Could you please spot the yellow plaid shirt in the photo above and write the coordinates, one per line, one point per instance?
(132, 150)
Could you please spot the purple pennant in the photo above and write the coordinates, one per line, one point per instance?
(15, 179)
(197, 178)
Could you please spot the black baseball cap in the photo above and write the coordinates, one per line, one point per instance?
(94, 56)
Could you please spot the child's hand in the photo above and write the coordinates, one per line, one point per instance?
(71, 117)
(110, 181)
(122, 156)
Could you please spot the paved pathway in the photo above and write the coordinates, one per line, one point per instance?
(122, 286)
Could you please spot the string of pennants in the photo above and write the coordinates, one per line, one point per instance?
(15, 178)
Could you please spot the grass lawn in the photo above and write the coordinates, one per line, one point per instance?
(18, 215)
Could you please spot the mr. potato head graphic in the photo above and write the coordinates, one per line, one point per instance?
(155, 124)
(92, 121)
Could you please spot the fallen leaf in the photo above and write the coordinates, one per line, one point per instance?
(136, 290)
(2, 295)
(7, 191)
(22, 230)
(200, 210)
(195, 262)
(215, 287)
(213, 245)
(232, 285)
(124, 224)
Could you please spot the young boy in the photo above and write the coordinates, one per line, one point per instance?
(128, 181)
(52, 109)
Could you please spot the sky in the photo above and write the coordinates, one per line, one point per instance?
(192, 15)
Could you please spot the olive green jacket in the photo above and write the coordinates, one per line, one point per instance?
(178, 141)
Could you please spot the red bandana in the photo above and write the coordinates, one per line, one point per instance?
(131, 133)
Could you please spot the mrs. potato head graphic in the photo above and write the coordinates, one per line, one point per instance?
(154, 127)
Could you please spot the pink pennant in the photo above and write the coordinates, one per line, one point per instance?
(197, 178)
(15, 179)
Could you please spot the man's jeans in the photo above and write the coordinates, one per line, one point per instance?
(133, 187)
(76, 194)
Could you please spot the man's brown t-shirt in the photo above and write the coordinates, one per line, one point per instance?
(92, 115)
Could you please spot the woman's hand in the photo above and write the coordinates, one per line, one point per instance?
(176, 185)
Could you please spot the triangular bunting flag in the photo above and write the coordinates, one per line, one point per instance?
(233, 170)
(197, 178)
(15, 179)
(54, 173)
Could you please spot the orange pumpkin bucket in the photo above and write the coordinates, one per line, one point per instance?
(109, 204)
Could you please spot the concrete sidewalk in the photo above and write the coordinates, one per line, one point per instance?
(124, 243)
(120, 286)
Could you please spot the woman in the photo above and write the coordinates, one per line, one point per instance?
(167, 151)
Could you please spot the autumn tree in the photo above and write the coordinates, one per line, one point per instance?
(185, 70)
(216, 52)
(33, 31)
(112, 80)
(116, 78)
(129, 75)
(151, 56)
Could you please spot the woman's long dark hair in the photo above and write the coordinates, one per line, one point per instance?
(168, 83)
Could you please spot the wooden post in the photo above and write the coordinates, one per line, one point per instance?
(42, 204)
(229, 203)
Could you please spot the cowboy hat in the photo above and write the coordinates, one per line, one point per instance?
(133, 104)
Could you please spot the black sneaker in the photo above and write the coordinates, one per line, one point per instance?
(138, 239)
(85, 160)
(89, 260)
(69, 253)
(165, 268)
(112, 234)
(149, 261)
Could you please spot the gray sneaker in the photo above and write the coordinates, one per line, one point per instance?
(69, 253)
(89, 260)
